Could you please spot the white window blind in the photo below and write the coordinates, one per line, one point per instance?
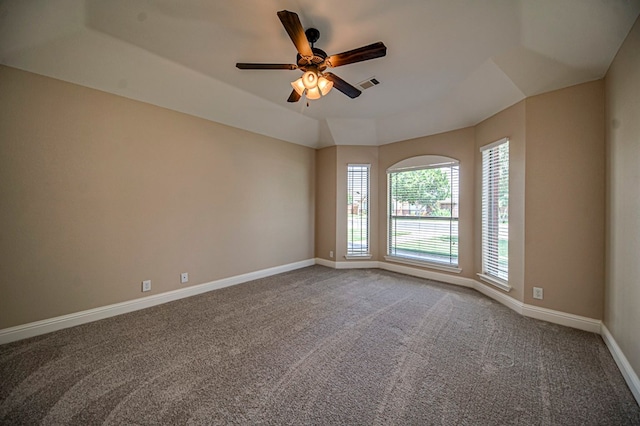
(358, 209)
(423, 212)
(495, 210)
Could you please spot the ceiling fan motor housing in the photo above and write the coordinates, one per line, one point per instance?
(318, 60)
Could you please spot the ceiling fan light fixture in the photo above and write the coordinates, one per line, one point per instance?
(313, 93)
(310, 79)
(298, 86)
(324, 85)
(312, 85)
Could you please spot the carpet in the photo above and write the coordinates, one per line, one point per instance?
(317, 346)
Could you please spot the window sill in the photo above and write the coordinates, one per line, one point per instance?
(422, 264)
(358, 256)
(496, 282)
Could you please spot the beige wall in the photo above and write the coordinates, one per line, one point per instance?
(100, 192)
(509, 123)
(556, 229)
(326, 212)
(458, 144)
(356, 155)
(622, 311)
(564, 200)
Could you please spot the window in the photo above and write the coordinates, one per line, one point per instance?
(495, 213)
(358, 210)
(423, 211)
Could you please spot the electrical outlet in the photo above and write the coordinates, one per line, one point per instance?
(331, 254)
(184, 277)
(537, 293)
(146, 285)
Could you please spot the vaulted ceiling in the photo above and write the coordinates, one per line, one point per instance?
(449, 64)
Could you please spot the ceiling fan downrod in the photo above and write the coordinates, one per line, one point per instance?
(313, 35)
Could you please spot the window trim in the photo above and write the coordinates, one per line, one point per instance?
(367, 255)
(495, 281)
(420, 162)
(423, 263)
(485, 276)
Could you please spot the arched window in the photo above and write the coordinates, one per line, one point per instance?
(423, 211)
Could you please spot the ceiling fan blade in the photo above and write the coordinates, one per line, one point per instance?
(247, 66)
(365, 53)
(342, 85)
(294, 97)
(292, 24)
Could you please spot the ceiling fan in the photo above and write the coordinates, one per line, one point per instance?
(316, 82)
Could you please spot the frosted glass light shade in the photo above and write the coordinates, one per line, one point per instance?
(298, 86)
(312, 85)
(324, 85)
(310, 79)
(313, 93)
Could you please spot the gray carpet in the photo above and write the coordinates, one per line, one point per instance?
(317, 346)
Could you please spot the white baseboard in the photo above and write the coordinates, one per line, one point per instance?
(357, 264)
(549, 315)
(558, 317)
(46, 326)
(627, 371)
(325, 262)
(499, 296)
(430, 275)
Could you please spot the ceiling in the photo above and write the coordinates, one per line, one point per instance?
(449, 63)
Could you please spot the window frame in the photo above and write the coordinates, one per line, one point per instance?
(360, 254)
(491, 272)
(422, 162)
